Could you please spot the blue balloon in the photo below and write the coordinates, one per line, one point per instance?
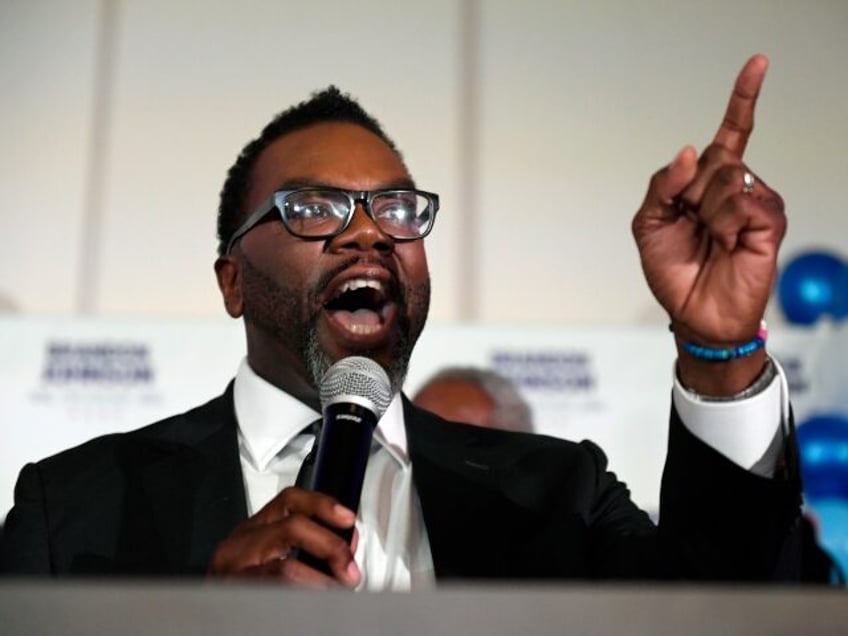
(823, 444)
(812, 285)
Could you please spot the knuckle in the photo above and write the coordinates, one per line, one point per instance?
(770, 201)
(775, 208)
(636, 225)
(728, 174)
(714, 153)
(287, 496)
(287, 491)
(657, 178)
(776, 204)
(288, 568)
(339, 546)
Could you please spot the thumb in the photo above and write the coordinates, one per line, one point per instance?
(673, 179)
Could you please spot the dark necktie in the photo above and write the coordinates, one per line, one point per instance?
(304, 480)
(304, 474)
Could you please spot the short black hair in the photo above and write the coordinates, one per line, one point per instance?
(328, 105)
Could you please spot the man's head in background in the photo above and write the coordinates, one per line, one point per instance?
(475, 396)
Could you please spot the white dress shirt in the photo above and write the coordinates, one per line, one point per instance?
(744, 431)
(393, 551)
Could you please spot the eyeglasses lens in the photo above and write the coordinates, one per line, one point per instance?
(401, 214)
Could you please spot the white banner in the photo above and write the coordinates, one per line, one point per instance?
(66, 381)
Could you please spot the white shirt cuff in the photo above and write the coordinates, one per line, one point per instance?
(744, 431)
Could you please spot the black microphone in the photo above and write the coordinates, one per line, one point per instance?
(354, 394)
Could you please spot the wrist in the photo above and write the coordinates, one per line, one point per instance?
(761, 383)
(720, 371)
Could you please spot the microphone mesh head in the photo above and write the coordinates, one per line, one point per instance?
(360, 378)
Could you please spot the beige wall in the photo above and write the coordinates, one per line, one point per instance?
(570, 107)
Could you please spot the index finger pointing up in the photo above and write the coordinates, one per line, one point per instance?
(739, 118)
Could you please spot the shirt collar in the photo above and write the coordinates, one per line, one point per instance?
(391, 431)
(269, 419)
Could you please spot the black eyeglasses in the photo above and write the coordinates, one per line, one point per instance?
(322, 213)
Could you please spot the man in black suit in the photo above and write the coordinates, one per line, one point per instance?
(320, 229)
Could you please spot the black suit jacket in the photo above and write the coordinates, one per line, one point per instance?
(496, 504)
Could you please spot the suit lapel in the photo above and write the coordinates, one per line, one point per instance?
(196, 492)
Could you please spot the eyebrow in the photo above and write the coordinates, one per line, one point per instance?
(301, 182)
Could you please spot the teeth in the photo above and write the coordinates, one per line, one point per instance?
(359, 283)
(363, 330)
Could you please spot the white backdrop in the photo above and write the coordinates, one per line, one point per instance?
(538, 122)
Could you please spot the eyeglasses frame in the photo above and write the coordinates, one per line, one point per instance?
(277, 200)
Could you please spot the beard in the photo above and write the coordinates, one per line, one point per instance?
(276, 309)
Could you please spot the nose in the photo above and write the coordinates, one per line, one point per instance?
(363, 234)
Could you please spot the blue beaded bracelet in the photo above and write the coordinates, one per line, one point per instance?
(720, 355)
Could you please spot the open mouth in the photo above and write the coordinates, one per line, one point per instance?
(360, 306)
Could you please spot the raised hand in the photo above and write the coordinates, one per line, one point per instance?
(261, 546)
(708, 234)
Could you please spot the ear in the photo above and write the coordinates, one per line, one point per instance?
(228, 272)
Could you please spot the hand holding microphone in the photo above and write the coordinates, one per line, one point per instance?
(303, 536)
